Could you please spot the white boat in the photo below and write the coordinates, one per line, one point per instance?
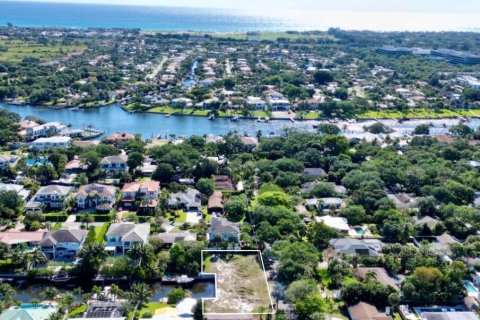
(267, 119)
(259, 119)
(211, 117)
(168, 115)
(234, 118)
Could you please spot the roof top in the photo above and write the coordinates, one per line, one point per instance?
(223, 226)
(381, 275)
(53, 189)
(63, 235)
(15, 236)
(151, 186)
(366, 311)
(96, 189)
(129, 231)
(215, 200)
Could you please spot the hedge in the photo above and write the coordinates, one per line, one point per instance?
(56, 217)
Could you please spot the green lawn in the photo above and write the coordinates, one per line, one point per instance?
(313, 115)
(180, 216)
(57, 226)
(260, 113)
(149, 307)
(78, 312)
(17, 50)
(100, 232)
(418, 113)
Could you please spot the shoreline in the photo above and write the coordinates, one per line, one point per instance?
(242, 117)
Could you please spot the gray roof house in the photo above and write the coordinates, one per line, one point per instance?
(114, 164)
(170, 238)
(189, 200)
(17, 188)
(63, 244)
(121, 237)
(51, 197)
(224, 229)
(370, 247)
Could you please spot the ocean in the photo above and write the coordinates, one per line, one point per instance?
(40, 14)
(298, 17)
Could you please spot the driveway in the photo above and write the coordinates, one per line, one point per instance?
(193, 217)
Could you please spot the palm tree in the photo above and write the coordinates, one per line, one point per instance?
(50, 293)
(115, 291)
(6, 293)
(87, 219)
(140, 294)
(98, 293)
(34, 302)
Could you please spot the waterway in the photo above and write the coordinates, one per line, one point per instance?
(113, 118)
(198, 290)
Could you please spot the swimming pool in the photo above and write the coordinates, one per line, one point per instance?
(359, 231)
(470, 287)
(30, 162)
(29, 306)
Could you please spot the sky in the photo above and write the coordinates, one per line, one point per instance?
(432, 15)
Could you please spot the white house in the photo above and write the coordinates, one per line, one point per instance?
(44, 130)
(98, 196)
(51, 197)
(51, 142)
(279, 104)
(338, 223)
(121, 237)
(114, 164)
(7, 160)
(256, 103)
(17, 188)
(63, 244)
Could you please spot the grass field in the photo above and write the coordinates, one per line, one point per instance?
(241, 284)
(419, 114)
(100, 232)
(17, 50)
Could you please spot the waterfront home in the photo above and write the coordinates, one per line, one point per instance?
(15, 238)
(97, 196)
(189, 200)
(279, 104)
(26, 312)
(114, 164)
(44, 130)
(63, 244)
(365, 247)
(256, 103)
(182, 103)
(223, 229)
(366, 311)
(170, 238)
(50, 197)
(120, 139)
(103, 310)
(51, 142)
(23, 125)
(340, 224)
(145, 193)
(215, 203)
(17, 188)
(7, 160)
(121, 237)
(85, 144)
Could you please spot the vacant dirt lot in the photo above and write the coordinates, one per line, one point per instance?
(241, 284)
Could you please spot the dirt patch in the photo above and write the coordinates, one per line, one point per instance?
(241, 284)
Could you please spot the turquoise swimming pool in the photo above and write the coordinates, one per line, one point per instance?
(470, 287)
(28, 306)
(359, 231)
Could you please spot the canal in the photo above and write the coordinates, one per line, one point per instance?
(113, 118)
